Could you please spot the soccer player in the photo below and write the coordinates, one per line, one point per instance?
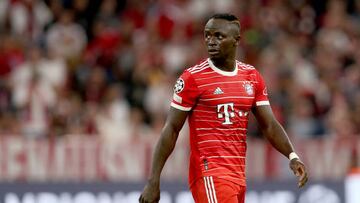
(217, 96)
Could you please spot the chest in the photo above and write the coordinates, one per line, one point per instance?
(237, 91)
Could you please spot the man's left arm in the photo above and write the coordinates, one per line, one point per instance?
(277, 136)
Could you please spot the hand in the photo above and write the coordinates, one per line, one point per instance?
(299, 170)
(151, 193)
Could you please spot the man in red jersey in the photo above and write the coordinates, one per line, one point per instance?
(217, 96)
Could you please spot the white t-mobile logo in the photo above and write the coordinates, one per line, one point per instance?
(224, 111)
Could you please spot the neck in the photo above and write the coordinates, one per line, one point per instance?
(227, 64)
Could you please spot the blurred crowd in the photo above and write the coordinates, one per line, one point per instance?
(107, 67)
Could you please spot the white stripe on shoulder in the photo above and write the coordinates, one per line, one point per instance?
(198, 66)
(199, 70)
(182, 108)
(245, 66)
(262, 103)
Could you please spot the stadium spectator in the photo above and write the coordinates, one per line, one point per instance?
(34, 93)
(112, 119)
(65, 38)
(27, 18)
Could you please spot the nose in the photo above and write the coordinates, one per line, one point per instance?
(211, 41)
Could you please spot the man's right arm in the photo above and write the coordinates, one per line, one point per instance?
(164, 147)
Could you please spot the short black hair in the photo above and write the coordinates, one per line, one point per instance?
(226, 16)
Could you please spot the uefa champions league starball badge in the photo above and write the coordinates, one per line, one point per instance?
(179, 86)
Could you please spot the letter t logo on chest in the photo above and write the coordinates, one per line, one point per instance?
(226, 111)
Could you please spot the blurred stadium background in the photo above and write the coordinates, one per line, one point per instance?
(85, 86)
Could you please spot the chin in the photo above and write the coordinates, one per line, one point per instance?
(215, 57)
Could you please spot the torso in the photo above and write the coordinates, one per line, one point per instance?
(218, 120)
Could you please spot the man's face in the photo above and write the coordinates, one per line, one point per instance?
(221, 38)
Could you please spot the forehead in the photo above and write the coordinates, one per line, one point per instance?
(220, 25)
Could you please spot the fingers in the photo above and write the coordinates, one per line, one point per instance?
(142, 200)
(302, 181)
(299, 171)
(303, 178)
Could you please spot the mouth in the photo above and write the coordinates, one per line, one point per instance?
(213, 51)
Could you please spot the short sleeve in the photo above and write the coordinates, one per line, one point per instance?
(185, 92)
(261, 95)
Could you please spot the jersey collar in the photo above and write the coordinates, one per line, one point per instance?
(218, 70)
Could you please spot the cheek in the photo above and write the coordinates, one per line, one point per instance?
(226, 45)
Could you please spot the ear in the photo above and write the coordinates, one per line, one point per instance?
(237, 40)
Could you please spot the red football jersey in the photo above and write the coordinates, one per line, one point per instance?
(219, 103)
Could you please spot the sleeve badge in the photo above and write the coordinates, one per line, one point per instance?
(179, 85)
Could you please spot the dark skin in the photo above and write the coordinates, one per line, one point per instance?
(221, 37)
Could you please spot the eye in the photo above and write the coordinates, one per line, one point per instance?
(207, 36)
(220, 36)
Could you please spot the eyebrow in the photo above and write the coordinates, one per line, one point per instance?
(215, 32)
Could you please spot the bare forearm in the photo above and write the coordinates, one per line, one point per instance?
(163, 149)
(278, 138)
